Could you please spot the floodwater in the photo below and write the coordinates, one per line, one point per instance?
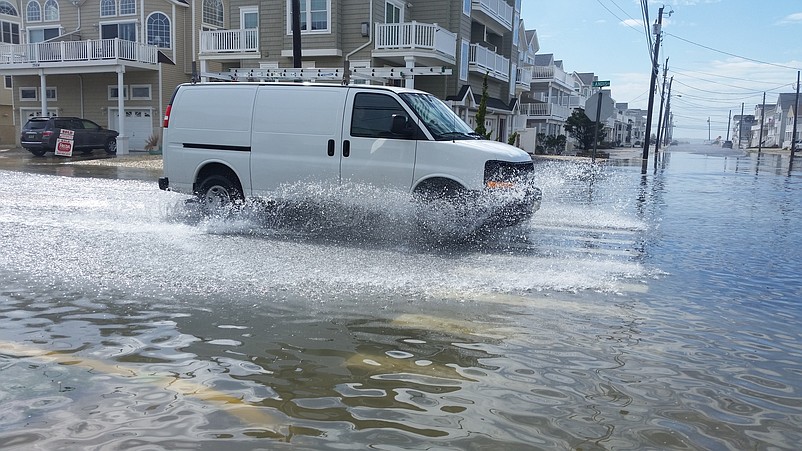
(634, 311)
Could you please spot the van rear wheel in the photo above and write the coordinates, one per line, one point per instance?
(218, 193)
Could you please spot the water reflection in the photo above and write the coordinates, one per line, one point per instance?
(634, 311)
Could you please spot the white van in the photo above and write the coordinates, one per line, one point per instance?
(227, 141)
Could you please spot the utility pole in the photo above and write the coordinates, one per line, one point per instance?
(660, 115)
(741, 125)
(296, 33)
(709, 138)
(665, 119)
(657, 31)
(796, 113)
(762, 116)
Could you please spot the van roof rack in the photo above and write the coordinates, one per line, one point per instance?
(326, 74)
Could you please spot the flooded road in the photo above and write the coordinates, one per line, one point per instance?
(632, 312)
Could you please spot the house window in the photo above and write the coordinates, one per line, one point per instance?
(8, 80)
(393, 13)
(140, 92)
(33, 12)
(127, 7)
(9, 31)
(8, 9)
(213, 13)
(51, 93)
(124, 30)
(249, 18)
(158, 30)
(51, 10)
(42, 34)
(114, 93)
(28, 94)
(466, 7)
(315, 16)
(108, 8)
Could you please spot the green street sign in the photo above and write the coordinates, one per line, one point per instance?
(601, 83)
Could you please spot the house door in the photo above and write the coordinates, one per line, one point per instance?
(138, 126)
(249, 20)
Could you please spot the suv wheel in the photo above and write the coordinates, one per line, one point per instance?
(111, 146)
(38, 152)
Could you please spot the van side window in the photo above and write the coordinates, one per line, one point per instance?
(373, 115)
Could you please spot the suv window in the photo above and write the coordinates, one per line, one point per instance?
(373, 115)
(89, 125)
(36, 125)
(62, 123)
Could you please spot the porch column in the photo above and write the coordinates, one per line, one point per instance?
(122, 138)
(410, 63)
(42, 92)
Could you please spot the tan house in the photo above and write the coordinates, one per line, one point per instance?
(106, 59)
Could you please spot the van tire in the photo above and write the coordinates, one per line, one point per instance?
(217, 192)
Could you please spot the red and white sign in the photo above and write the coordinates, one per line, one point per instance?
(64, 143)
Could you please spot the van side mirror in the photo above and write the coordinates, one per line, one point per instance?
(402, 126)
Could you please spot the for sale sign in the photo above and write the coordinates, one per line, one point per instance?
(64, 143)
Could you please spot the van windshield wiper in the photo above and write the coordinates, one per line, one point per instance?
(458, 135)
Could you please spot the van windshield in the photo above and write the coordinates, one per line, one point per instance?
(438, 118)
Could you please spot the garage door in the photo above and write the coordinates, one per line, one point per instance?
(138, 126)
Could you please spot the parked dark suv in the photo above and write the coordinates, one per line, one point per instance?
(39, 135)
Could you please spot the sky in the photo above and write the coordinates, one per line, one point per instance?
(721, 52)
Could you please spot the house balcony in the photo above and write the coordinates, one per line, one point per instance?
(523, 80)
(229, 44)
(495, 14)
(486, 61)
(552, 74)
(429, 44)
(76, 56)
(545, 111)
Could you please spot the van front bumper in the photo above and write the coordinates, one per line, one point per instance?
(504, 208)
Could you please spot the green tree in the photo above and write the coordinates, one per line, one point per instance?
(581, 128)
(482, 113)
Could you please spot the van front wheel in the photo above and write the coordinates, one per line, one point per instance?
(217, 193)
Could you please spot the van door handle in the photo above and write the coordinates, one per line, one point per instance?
(346, 148)
(331, 148)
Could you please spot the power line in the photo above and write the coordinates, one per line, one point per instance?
(719, 75)
(732, 54)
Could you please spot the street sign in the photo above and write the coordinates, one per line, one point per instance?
(592, 105)
(600, 83)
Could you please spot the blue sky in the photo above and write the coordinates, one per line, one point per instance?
(721, 52)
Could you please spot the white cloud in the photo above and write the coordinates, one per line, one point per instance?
(792, 18)
(632, 23)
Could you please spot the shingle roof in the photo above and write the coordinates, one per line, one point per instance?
(545, 59)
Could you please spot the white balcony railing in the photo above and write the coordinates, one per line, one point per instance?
(414, 35)
(553, 73)
(546, 110)
(230, 41)
(523, 77)
(497, 9)
(486, 61)
(72, 51)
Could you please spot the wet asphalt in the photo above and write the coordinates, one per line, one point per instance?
(98, 164)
